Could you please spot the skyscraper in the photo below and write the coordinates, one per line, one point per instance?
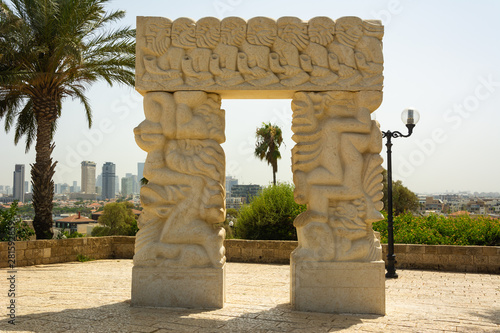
(108, 180)
(127, 186)
(88, 177)
(19, 182)
(74, 188)
(230, 181)
(117, 185)
(140, 171)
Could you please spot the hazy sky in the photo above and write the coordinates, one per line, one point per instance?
(441, 57)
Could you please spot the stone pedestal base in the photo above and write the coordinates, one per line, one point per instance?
(182, 287)
(338, 287)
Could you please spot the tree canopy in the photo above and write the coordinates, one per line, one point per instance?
(117, 219)
(51, 50)
(403, 199)
(269, 139)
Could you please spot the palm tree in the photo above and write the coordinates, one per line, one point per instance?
(269, 140)
(51, 50)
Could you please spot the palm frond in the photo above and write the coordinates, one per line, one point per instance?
(26, 126)
(78, 93)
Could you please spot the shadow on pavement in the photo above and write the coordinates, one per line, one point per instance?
(121, 317)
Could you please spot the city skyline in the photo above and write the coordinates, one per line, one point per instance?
(435, 61)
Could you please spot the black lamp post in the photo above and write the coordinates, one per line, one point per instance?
(410, 117)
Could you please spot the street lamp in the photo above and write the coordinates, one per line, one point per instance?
(410, 117)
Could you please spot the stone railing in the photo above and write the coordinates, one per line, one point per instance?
(476, 259)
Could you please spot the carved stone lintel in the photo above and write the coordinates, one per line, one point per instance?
(258, 56)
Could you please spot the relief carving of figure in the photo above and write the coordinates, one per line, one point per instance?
(161, 61)
(336, 163)
(314, 58)
(196, 60)
(287, 54)
(225, 55)
(368, 53)
(253, 60)
(285, 61)
(184, 199)
(348, 31)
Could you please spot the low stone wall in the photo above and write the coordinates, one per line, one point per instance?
(475, 259)
(268, 252)
(447, 258)
(53, 251)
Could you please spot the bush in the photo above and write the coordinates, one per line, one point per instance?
(117, 219)
(83, 258)
(441, 230)
(9, 219)
(270, 215)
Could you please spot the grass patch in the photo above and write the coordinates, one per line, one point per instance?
(83, 258)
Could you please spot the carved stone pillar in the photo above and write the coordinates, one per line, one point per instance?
(337, 266)
(179, 254)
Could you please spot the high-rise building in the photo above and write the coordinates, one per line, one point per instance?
(230, 181)
(98, 182)
(135, 183)
(245, 191)
(117, 185)
(127, 186)
(64, 189)
(108, 180)
(88, 177)
(140, 171)
(19, 182)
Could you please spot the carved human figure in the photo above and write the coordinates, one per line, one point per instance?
(368, 53)
(225, 55)
(253, 60)
(336, 160)
(196, 60)
(184, 199)
(292, 38)
(161, 62)
(314, 58)
(348, 31)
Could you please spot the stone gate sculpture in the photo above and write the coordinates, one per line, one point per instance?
(332, 70)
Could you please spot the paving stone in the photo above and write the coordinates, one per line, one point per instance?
(95, 297)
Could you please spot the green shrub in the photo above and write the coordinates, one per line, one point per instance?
(117, 219)
(270, 215)
(441, 230)
(9, 219)
(68, 234)
(83, 258)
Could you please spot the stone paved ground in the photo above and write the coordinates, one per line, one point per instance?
(95, 297)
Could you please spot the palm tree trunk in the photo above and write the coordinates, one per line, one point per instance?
(42, 171)
(274, 178)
